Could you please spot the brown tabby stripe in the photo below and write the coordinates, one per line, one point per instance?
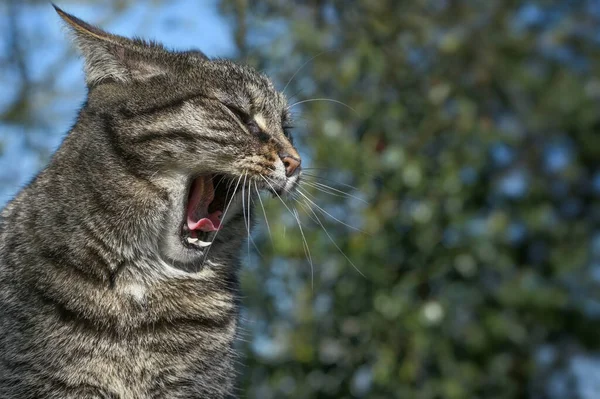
(127, 159)
(171, 104)
(62, 258)
(177, 134)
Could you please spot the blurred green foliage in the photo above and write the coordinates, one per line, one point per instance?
(475, 142)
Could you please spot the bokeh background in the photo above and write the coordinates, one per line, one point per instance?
(468, 151)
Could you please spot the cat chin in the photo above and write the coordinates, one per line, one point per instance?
(174, 253)
(291, 184)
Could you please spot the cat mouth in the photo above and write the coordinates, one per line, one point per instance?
(207, 198)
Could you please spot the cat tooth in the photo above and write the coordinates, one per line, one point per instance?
(198, 242)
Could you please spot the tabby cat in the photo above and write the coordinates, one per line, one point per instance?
(118, 262)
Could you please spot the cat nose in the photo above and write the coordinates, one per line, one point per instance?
(290, 163)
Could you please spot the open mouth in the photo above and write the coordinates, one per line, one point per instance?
(208, 196)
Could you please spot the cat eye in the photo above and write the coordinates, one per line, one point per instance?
(241, 115)
(253, 127)
(246, 119)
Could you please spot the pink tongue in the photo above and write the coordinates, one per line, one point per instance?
(202, 195)
(211, 223)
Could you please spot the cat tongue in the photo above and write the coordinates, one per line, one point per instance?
(201, 195)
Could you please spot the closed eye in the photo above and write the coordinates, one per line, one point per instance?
(253, 127)
(246, 119)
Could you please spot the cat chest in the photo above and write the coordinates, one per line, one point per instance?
(154, 364)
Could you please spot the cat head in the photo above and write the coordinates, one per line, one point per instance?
(205, 130)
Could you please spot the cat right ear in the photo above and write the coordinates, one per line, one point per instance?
(110, 57)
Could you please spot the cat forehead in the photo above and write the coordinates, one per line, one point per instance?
(245, 84)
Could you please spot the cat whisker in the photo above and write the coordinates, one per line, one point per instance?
(306, 251)
(275, 192)
(328, 169)
(294, 96)
(323, 99)
(249, 212)
(246, 215)
(331, 239)
(329, 190)
(295, 215)
(218, 183)
(244, 211)
(304, 174)
(300, 68)
(305, 195)
(264, 213)
(297, 198)
(224, 213)
(332, 191)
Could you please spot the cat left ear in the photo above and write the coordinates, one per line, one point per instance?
(110, 57)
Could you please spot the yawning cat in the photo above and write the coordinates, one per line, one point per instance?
(118, 262)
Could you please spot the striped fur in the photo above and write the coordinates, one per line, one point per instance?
(99, 298)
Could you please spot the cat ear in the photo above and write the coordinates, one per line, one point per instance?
(112, 57)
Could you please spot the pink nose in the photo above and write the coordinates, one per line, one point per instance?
(290, 163)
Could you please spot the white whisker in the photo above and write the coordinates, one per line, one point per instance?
(327, 213)
(299, 69)
(246, 215)
(332, 240)
(323, 99)
(304, 242)
(224, 214)
(243, 202)
(248, 224)
(304, 174)
(306, 251)
(311, 217)
(328, 190)
(264, 213)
